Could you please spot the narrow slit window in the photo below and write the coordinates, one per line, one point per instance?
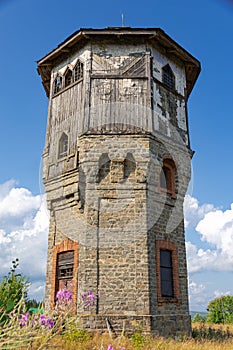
(168, 77)
(63, 146)
(166, 274)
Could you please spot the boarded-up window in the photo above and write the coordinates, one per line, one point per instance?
(166, 273)
(63, 146)
(65, 270)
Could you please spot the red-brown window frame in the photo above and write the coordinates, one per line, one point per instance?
(66, 245)
(168, 245)
(168, 164)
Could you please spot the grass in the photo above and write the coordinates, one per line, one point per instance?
(205, 337)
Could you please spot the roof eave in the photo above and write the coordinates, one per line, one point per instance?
(192, 65)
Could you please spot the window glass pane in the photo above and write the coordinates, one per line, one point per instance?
(166, 273)
(165, 258)
(167, 289)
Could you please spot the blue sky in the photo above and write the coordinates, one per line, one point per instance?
(28, 30)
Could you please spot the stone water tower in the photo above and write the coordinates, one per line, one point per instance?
(116, 170)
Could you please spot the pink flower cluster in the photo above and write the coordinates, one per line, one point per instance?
(24, 319)
(110, 347)
(64, 296)
(88, 298)
(41, 320)
(46, 321)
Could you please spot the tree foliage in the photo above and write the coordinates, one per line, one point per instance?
(220, 310)
(198, 318)
(13, 288)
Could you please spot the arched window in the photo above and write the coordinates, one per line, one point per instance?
(63, 146)
(68, 77)
(168, 77)
(78, 71)
(57, 85)
(167, 177)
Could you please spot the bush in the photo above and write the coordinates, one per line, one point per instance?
(198, 318)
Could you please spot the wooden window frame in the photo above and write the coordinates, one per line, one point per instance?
(170, 246)
(77, 77)
(71, 78)
(66, 245)
(57, 89)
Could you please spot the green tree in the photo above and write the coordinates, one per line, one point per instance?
(13, 288)
(220, 310)
(198, 318)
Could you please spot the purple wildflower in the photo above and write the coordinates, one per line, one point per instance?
(64, 296)
(24, 319)
(43, 320)
(88, 298)
(46, 322)
(110, 347)
(50, 323)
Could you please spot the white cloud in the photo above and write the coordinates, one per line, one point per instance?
(198, 296)
(37, 290)
(215, 227)
(17, 202)
(207, 259)
(196, 288)
(193, 212)
(24, 224)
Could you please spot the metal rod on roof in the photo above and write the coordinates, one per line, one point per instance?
(122, 20)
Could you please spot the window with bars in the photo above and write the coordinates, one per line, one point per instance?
(78, 71)
(57, 84)
(65, 269)
(168, 77)
(68, 77)
(166, 273)
(63, 146)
